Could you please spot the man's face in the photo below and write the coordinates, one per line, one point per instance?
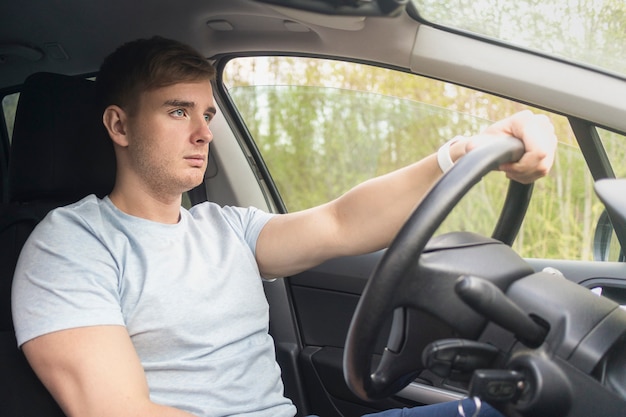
(168, 137)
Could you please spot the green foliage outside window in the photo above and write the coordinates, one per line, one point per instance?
(324, 126)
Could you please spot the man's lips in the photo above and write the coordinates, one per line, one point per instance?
(196, 160)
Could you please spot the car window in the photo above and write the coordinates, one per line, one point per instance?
(615, 147)
(9, 105)
(607, 246)
(323, 126)
(591, 32)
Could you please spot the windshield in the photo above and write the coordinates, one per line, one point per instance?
(590, 32)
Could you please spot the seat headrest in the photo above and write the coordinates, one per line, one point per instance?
(60, 149)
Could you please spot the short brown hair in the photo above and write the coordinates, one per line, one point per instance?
(146, 64)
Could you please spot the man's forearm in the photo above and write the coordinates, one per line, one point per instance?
(372, 213)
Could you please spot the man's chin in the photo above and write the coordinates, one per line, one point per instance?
(192, 183)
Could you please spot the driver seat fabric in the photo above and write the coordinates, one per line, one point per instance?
(60, 153)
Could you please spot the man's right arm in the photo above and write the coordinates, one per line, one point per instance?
(94, 372)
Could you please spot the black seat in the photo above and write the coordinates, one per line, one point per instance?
(60, 153)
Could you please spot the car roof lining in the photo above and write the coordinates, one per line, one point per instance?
(254, 27)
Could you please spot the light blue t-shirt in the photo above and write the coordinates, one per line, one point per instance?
(190, 295)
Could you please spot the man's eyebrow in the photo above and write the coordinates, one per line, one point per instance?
(187, 105)
(180, 103)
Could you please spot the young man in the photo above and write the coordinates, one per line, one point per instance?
(133, 306)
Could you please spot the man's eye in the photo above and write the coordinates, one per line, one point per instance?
(178, 112)
(207, 118)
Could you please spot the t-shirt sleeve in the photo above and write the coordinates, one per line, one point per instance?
(248, 222)
(65, 278)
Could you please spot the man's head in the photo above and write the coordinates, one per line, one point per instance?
(157, 103)
(147, 64)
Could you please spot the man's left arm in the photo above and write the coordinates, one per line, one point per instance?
(369, 216)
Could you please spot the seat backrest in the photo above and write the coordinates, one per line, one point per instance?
(60, 152)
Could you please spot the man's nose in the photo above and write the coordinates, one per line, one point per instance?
(203, 132)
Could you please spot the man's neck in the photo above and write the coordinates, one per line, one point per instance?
(139, 204)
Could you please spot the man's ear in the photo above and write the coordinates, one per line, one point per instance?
(115, 120)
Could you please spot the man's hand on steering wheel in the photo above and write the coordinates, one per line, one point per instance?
(536, 132)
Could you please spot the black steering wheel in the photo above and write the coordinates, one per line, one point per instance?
(415, 282)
